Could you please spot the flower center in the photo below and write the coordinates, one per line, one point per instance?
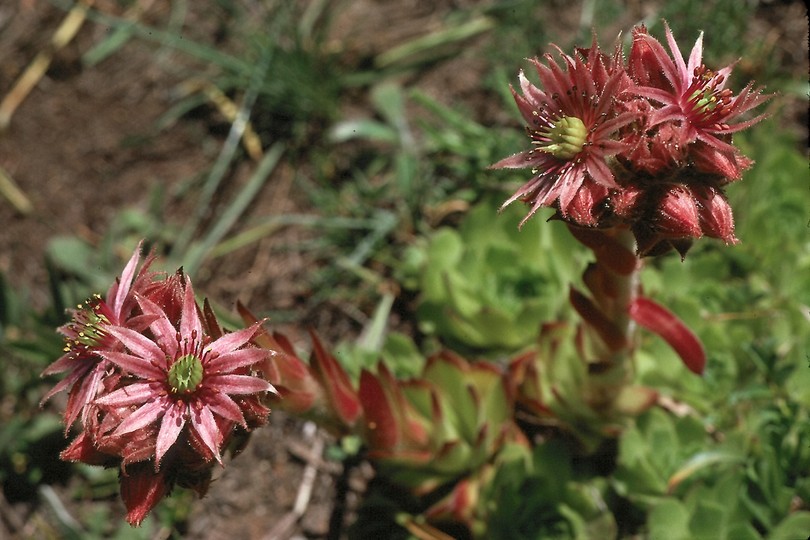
(87, 326)
(565, 138)
(185, 374)
(707, 101)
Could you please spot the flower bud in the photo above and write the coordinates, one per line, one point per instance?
(716, 218)
(677, 215)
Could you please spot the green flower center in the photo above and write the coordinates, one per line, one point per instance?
(706, 100)
(185, 374)
(565, 138)
(87, 326)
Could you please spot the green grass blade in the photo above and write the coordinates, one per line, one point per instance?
(200, 251)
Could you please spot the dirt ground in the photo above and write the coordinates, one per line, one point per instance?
(83, 145)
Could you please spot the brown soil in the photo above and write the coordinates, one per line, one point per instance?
(83, 146)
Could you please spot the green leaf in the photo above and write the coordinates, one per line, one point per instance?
(669, 520)
(796, 526)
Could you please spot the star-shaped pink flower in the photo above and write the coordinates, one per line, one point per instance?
(182, 377)
(696, 99)
(572, 120)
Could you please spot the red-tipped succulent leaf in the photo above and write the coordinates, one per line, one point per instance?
(658, 319)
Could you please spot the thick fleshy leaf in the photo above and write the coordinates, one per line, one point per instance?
(458, 505)
(593, 316)
(658, 319)
(336, 383)
(615, 255)
(633, 400)
(381, 425)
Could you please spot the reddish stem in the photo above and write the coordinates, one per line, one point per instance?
(613, 282)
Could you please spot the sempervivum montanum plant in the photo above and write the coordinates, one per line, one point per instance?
(436, 435)
(633, 156)
(173, 390)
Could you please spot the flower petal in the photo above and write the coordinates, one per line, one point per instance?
(132, 394)
(234, 340)
(81, 395)
(237, 384)
(118, 293)
(190, 319)
(205, 425)
(228, 362)
(143, 416)
(170, 428)
(164, 331)
(136, 365)
(678, 57)
(222, 405)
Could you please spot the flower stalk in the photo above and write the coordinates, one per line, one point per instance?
(633, 156)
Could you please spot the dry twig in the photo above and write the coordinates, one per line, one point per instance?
(37, 68)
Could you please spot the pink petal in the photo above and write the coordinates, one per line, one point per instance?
(79, 372)
(205, 425)
(137, 343)
(135, 364)
(224, 406)
(190, 320)
(695, 57)
(80, 397)
(656, 318)
(125, 283)
(132, 394)
(234, 340)
(521, 160)
(143, 416)
(64, 363)
(164, 331)
(228, 362)
(237, 384)
(678, 57)
(601, 173)
(170, 428)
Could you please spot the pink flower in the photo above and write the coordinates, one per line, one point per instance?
(182, 378)
(88, 333)
(572, 121)
(159, 387)
(696, 100)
